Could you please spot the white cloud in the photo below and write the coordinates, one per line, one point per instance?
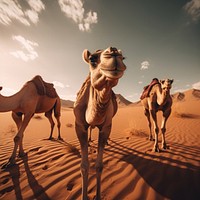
(193, 9)
(196, 85)
(58, 84)
(140, 82)
(74, 9)
(12, 10)
(144, 65)
(36, 5)
(28, 52)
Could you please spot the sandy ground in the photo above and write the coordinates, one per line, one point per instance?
(51, 169)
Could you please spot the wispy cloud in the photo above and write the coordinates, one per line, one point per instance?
(28, 52)
(74, 9)
(193, 9)
(144, 65)
(11, 10)
(59, 84)
(196, 85)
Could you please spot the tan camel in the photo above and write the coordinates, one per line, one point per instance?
(96, 105)
(158, 98)
(36, 96)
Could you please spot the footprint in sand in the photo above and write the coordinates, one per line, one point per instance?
(5, 181)
(45, 167)
(70, 186)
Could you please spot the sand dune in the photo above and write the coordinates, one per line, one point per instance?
(131, 171)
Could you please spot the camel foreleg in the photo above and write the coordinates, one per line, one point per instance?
(18, 139)
(82, 134)
(156, 130)
(103, 137)
(166, 115)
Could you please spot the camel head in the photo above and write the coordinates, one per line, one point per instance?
(166, 84)
(106, 67)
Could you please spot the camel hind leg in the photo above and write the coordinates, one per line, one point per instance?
(57, 114)
(48, 115)
(147, 114)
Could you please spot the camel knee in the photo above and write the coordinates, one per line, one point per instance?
(84, 166)
(163, 130)
(156, 130)
(17, 139)
(99, 167)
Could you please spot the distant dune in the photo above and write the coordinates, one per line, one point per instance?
(51, 169)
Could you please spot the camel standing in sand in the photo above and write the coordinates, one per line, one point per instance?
(32, 98)
(96, 105)
(158, 98)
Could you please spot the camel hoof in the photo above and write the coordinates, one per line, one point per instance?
(156, 149)
(165, 147)
(59, 138)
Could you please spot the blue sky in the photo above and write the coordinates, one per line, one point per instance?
(159, 38)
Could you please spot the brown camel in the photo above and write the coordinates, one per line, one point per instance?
(36, 96)
(96, 105)
(157, 98)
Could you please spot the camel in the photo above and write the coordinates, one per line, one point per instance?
(36, 96)
(96, 105)
(157, 98)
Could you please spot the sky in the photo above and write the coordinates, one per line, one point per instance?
(158, 38)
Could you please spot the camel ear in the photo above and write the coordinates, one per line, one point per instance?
(172, 80)
(86, 54)
(161, 81)
(1, 88)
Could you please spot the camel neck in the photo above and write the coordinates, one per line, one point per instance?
(162, 96)
(9, 103)
(98, 104)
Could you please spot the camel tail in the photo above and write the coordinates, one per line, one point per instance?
(57, 108)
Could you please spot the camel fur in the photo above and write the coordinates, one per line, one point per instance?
(158, 99)
(96, 105)
(26, 103)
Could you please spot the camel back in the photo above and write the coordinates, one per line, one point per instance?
(147, 88)
(44, 88)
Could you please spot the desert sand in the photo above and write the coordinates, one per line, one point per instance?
(51, 169)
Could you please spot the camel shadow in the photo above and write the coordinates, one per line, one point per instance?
(173, 179)
(38, 190)
(15, 175)
(70, 148)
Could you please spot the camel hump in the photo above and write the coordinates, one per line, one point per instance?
(147, 88)
(44, 88)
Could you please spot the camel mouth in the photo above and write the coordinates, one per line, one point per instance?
(112, 74)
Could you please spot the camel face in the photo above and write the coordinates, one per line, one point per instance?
(166, 84)
(106, 67)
